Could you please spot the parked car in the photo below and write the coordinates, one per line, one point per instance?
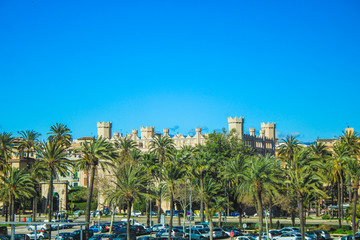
(159, 227)
(96, 213)
(42, 227)
(197, 233)
(21, 236)
(64, 236)
(136, 213)
(234, 214)
(289, 229)
(78, 213)
(228, 229)
(288, 236)
(97, 236)
(76, 234)
(5, 237)
(3, 230)
(39, 235)
(325, 235)
(165, 233)
(123, 236)
(219, 233)
(243, 238)
(350, 237)
(146, 238)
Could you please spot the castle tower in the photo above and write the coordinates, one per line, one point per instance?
(147, 132)
(104, 129)
(237, 124)
(166, 132)
(252, 132)
(269, 129)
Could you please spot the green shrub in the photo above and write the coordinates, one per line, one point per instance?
(326, 217)
(342, 231)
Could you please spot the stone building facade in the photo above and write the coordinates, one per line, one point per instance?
(262, 143)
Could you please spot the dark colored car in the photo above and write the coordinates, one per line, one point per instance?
(97, 236)
(3, 231)
(63, 236)
(21, 236)
(76, 234)
(5, 237)
(123, 236)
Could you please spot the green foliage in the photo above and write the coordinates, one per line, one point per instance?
(82, 206)
(342, 231)
(140, 205)
(78, 194)
(326, 217)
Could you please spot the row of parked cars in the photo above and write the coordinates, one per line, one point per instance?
(288, 233)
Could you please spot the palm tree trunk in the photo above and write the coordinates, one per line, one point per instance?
(171, 210)
(202, 199)
(356, 189)
(51, 192)
(12, 209)
(339, 201)
(88, 201)
(259, 212)
(178, 207)
(301, 215)
(211, 225)
(159, 210)
(342, 197)
(219, 216)
(128, 210)
(148, 212)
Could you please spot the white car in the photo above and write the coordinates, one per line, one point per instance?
(136, 214)
(288, 236)
(39, 235)
(41, 227)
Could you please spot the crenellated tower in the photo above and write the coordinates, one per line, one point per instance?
(104, 129)
(147, 132)
(237, 124)
(269, 129)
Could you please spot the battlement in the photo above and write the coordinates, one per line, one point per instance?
(147, 132)
(198, 130)
(268, 125)
(104, 129)
(104, 124)
(235, 120)
(147, 129)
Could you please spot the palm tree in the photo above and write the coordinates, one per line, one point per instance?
(162, 147)
(125, 146)
(150, 162)
(234, 173)
(7, 143)
(14, 185)
(303, 177)
(262, 174)
(211, 189)
(340, 155)
(352, 167)
(60, 133)
(129, 186)
(28, 142)
(53, 157)
(172, 173)
(321, 152)
(287, 149)
(202, 163)
(95, 153)
(37, 173)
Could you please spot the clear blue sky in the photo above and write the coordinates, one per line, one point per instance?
(180, 63)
